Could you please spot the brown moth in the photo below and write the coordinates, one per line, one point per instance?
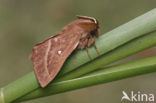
(49, 56)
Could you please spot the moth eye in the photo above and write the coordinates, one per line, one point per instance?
(93, 32)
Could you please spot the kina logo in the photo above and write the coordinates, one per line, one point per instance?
(137, 97)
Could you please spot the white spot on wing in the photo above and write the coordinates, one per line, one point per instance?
(59, 52)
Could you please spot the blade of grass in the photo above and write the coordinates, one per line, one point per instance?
(105, 43)
(104, 75)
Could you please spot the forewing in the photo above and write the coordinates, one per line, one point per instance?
(49, 56)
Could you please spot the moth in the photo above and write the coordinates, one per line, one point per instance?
(49, 56)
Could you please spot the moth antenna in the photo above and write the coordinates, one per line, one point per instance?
(88, 54)
(87, 17)
(96, 49)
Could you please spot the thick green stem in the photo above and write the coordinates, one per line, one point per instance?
(141, 43)
(127, 49)
(104, 43)
(105, 75)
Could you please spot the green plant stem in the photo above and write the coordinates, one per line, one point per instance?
(141, 43)
(104, 43)
(123, 51)
(104, 75)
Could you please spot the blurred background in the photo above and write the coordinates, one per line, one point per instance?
(23, 23)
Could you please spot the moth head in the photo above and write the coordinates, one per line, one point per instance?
(90, 24)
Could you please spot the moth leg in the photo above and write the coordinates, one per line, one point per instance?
(88, 53)
(96, 49)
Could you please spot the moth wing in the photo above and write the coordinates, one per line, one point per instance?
(49, 56)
